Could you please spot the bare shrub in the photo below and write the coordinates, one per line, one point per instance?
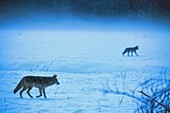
(150, 96)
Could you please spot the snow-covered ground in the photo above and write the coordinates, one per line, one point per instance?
(82, 51)
(85, 62)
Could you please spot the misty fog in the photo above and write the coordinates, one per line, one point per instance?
(114, 15)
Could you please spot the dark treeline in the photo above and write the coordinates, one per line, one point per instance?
(97, 8)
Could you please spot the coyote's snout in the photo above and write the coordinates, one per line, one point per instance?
(28, 82)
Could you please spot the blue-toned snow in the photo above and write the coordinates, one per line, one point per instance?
(86, 61)
(82, 52)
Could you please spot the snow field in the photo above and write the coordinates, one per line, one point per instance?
(88, 63)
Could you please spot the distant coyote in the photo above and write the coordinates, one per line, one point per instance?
(28, 82)
(130, 49)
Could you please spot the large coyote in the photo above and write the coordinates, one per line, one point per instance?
(130, 49)
(28, 82)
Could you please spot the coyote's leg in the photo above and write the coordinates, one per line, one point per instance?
(44, 93)
(128, 53)
(136, 53)
(40, 93)
(23, 89)
(28, 92)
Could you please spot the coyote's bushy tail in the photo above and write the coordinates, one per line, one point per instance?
(19, 86)
(124, 52)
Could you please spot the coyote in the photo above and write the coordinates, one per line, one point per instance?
(130, 49)
(28, 82)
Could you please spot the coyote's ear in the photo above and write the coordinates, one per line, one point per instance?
(54, 75)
